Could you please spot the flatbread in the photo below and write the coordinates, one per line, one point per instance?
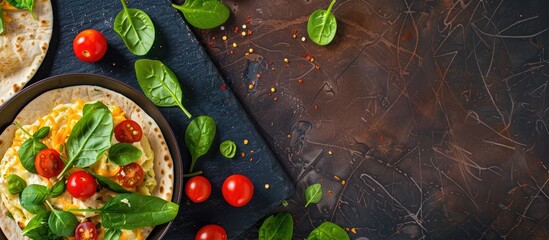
(42, 105)
(23, 45)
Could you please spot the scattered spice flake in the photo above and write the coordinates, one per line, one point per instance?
(381, 138)
(235, 29)
(330, 152)
(244, 26)
(284, 203)
(251, 159)
(337, 178)
(211, 43)
(250, 32)
(247, 54)
(243, 33)
(252, 151)
(273, 90)
(353, 230)
(258, 75)
(289, 135)
(294, 33)
(224, 38)
(235, 45)
(222, 28)
(213, 38)
(317, 67)
(303, 39)
(347, 229)
(242, 154)
(223, 87)
(316, 107)
(343, 182)
(286, 60)
(309, 57)
(269, 94)
(330, 193)
(267, 186)
(251, 86)
(251, 50)
(275, 99)
(300, 81)
(246, 141)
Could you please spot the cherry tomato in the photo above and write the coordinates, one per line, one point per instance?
(198, 189)
(85, 231)
(128, 131)
(81, 185)
(48, 163)
(211, 232)
(237, 190)
(131, 175)
(89, 45)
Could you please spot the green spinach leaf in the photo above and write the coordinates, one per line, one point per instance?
(108, 183)
(159, 84)
(322, 25)
(227, 148)
(16, 184)
(124, 153)
(62, 223)
(58, 188)
(204, 14)
(199, 136)
(37, 228)
(130, 211)
(328, 231)
(90, 138)
(23, 4)
(277, 227)
(313, 194)
(135, 28)
(90, 107)
(112, 234)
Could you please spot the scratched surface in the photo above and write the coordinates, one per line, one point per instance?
(422, 119)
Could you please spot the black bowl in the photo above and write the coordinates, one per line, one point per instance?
(13, 106)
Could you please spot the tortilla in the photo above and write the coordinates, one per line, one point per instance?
(24, 44)
(42, 105)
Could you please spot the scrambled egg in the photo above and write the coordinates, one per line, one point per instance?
(61, 121)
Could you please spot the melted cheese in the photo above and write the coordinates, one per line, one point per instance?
(61, 121)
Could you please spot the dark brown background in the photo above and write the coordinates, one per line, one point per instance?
(425, 119)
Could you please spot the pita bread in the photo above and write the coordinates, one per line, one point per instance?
(23, 45)
(42, 105)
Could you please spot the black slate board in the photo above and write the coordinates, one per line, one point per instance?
(177, 47)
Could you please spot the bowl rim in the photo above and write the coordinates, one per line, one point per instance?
(16, 103)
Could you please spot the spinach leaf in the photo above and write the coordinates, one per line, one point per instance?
(37, 227)
(28, 151)
(1, 21)
(204, 14)
(62, 223)
(124, 153)
(35, 194)
(58, 188)
(322, 25)
(130, 211)
(328, 231)
(90, 138)
(90, 107)
(23, 4)
(112, 234)
(227, 148)
(159, 84)
(277, 227)
(313, 194)
(41, 133)
(108, 183)
(135, 28)
(15, 184)
(199, 136)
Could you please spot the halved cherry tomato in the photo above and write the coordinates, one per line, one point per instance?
(85, 231)
(131, 175)
(89, 45)
(211, 232)
(81, 185)
(198, 189)
(128, 131)
(237, 190)
(48, 163)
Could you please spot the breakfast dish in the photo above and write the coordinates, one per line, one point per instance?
(64, 112)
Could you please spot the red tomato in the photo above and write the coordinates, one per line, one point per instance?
(211, 232)
(237, 190)
(85, 231)
(89, 45)
(81, 185)
(128, 131)
(48, 163)
(198, 189)
(131, 175)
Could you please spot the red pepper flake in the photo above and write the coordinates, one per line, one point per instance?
(309, 57)
(258, 75)
(252, 151)
(381, 138)
(242, 154)
(353, 230)
(251, 159)
(317, 67)
(250, 32)
(211, 43)
(347, 229)
(316, 107)
(330, 193)
(300, 81)
(235, 29)
(275, 99)
(269, 94)
(248, 19)
(223, 87)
